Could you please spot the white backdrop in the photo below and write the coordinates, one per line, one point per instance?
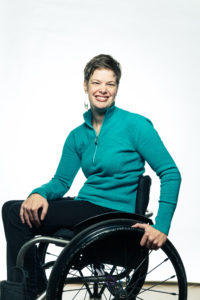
(44, 47)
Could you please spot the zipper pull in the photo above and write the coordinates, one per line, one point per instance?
(95, 151)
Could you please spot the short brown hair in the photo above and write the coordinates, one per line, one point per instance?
(102, 61)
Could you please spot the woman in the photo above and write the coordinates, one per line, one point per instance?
(111, 147)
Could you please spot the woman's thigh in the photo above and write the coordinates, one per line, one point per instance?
(67, 213)
(64, 212)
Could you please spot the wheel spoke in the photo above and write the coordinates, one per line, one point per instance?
(78, 292)
(164, 261)
(85, 283)
(158, 284)
(85, 295)
(162, 292)
(49, 253)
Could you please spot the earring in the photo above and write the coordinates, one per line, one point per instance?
(86, 104)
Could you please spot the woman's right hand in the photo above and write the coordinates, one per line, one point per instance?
(29, 210)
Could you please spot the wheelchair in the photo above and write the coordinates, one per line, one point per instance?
(102, 259)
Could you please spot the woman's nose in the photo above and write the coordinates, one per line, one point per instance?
(103, 89)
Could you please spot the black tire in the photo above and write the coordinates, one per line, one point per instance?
(117, 264)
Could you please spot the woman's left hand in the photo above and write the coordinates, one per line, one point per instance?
(152, 238)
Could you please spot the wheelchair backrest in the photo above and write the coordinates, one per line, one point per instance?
(142, 198)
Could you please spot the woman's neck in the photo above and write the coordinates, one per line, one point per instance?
(97, 120)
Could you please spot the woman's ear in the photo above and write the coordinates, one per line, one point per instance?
(85, 86)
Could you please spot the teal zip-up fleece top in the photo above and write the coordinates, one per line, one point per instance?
(112, 163)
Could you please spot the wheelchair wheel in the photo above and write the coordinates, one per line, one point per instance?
(106, 261)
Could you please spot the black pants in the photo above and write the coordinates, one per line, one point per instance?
(65, 212)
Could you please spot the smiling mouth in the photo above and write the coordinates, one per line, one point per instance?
(101, 99)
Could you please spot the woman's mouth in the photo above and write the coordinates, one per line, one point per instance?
(101, 98)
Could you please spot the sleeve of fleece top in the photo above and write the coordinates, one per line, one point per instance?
(67, 169)
(152, 149)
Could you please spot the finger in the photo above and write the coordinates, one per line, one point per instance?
(161, 242)
(29, 212)
(36, 219)
(140, 225)
(44, 212)
(32, 219)
(21, 214)
(155, 247)
(27, 220)
(150, 244)
(144, 240)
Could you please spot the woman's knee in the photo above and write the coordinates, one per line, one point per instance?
(7, 206)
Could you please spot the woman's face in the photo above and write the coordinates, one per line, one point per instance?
(101, 89)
